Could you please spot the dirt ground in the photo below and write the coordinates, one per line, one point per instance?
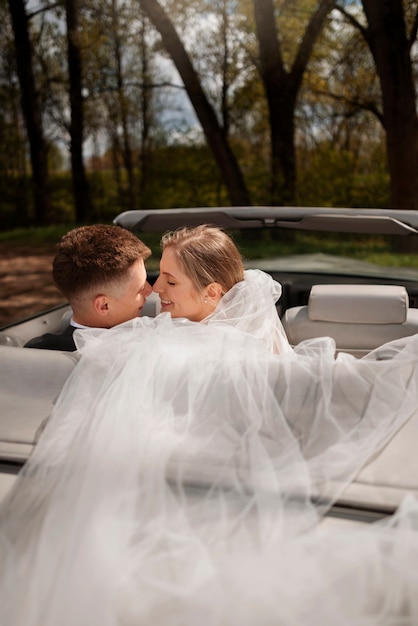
(26, 285)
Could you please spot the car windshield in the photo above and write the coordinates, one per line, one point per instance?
(355, 242)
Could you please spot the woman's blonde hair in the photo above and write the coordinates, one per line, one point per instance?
(207, 255)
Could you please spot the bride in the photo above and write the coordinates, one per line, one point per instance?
(199, 267)
(189, 460)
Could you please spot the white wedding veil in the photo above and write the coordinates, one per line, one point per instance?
(183, 474)
(250, 306)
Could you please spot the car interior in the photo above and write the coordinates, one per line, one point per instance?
(360, 314)
(359, 317)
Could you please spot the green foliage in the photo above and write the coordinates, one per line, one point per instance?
(55, 158)
(338, 178)
(35, 236)
(126, 87)
(184, 176)
(62, 210)
(260, 244)
(187, 176)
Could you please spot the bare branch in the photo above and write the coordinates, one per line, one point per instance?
(49, 7)
(353, 21)
(363, 105)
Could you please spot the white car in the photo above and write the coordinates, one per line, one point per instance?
(362, 306)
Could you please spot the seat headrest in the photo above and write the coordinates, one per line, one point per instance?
(358, 304)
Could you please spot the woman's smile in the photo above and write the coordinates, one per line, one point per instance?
(165, 303)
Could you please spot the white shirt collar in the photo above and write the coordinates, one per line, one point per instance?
(77, 325)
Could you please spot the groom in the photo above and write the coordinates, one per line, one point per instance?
(100, 270)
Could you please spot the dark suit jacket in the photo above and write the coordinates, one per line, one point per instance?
(49, 341)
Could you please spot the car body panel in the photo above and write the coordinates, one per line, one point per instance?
(372, 221)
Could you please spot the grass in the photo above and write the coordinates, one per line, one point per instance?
(373, 249)
(35, 236)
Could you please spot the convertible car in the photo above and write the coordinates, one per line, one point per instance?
(360, 305)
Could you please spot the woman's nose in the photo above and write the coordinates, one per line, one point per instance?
(155, 286)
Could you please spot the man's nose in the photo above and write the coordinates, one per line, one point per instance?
(148, 289)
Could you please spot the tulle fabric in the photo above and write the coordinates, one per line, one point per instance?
(183, 476)
(250, 306)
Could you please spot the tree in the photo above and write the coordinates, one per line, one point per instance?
(390, 45)
(215, 136)
(282, 88)
(391, 49)
(80, 183)
(146, 110)
(31, 109)
(121, 79)
(123, 104)
(281, 85)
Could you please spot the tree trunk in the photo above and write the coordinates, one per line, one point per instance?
(388, 42)
(31, 111)
(282, 88)
(123, 108)
(227, 163)
(145, 108)
(81, 191)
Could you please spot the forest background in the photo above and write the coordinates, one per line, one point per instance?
(112, 105)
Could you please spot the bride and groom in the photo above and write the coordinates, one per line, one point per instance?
(175, 480)
(100, 269)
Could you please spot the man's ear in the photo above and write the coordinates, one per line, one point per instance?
(101, 304)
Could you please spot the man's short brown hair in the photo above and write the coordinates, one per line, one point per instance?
(92, 256)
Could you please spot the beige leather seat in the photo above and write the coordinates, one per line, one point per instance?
(30, 381)
(358, 317)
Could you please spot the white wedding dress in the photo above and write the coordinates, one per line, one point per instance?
(184, 471)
